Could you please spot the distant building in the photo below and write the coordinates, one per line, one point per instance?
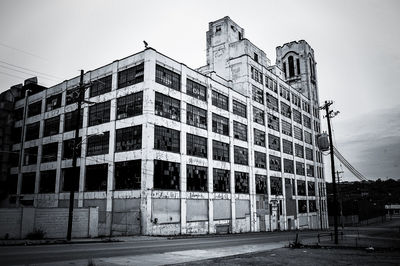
(167, 149)
(392, 211)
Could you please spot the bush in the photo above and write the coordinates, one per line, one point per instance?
(36, 234)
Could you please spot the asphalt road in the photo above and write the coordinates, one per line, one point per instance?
(12, 255)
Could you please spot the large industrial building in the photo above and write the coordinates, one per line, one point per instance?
(165, 149)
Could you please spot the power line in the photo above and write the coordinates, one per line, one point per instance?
(52, 79)
(22, 51)
(30, 70)
(11, 75)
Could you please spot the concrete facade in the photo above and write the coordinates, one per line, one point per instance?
(235, 69)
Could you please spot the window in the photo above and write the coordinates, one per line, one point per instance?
(70, 120)
(70, 179)
(99, 113)
(221, 180)
(30, 155)
(73, 95)
(298, 133)
(239, 131)
(18, 114)
(196, 116)
(297, 116)
(51, 126)
(271, 84)
(310, 170)
(220, 151)
(220, 124)
(288, 166)
(241, 182)
(311, 188)
(130, 105)
(260, 159)
(258, 95)
(299, 150)
(168, 107)
(131, 76)
(272, 102)
(49, 152)
(296, 100)
(241, 155)
(255, 57)
(100, 86)
(261, 184)
(239, 108)
(298, 66)
(97, 144)
(256, 74)
(53, 102)
(291, 66)
(274, 163)
(309, 154)
(96, 177)
(286, 128)
(276, 185)
(302, 206)
(218, 29)
(285, 110)
(307, 121)
(68, 148)
(47, 181)
(127, 175)
(273, 122)
(300, 168)
(196, 178)
(196, 145)
(166, 139)
(196, 90)
(306, 106)
(284, 93)
(287, 146)
(128, 139)
(274, 142)
(258, 116)
(312, 205)
(259, 137)
(301, 188)
(168, 78)
(32, 131)
(34, 108)
(219, 100)
(28, 183)
(166, 175)
(284, 69)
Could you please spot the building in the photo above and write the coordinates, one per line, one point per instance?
(166, 149)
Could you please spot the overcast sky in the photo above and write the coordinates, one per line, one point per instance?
(355, 43)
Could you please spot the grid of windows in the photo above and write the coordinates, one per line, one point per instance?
(259, 137)
(241, 182)
(258, 95)
(273, 122)
(99, 113)
(260, 159)
(127, 175)
(285, 110)
(131, 76)
(241, 155)
(298, 133)
(68, 148)
(196, 116)
(47, 181)
(168, 107)
(300, 168)
(298, 150)
(70, 120)
(261, 184)
(221, 180)
(288, 166)
(258, 116)
(196, 90)
(272, 102)
(32, 131)
(274, 142)
(308, 137)
(166, 175)
(287, 146)
(34, 108)
(239, 108)
(49, 152)
(53, 102)
(256, 74)
(51, 126)
(275, 163)
(166, 139)
(129, 138)
(220, 124)
(196, 178)
(297, 116)
(130, 105)
(97, 144)
(239, 131)
(168, 78)
(307, 121)
(309, 154)
(220, 100)
(196, 145)
(101, 86)
(220, 151)
(276, 185)
(286, 128)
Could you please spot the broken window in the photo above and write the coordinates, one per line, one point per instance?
(131, 76)
(307, 121)
(168, 78)
(196, 90)
(99, 113)
(49, 152)
(219, 100)
(273, 122)
(166, 139)
(307, 137)
(100, 86)
(300, 168)
(239, 131)
(51, 126)
(196, 116)
(127, 175)
(168, 107)
(32, 131)
(47, 181)
(128, 139)
(241, 155)
(274, 142)
(239, 108)
(28, 183)
(196, 178)
(70, 120)
(261, 184)
(287, 146)
(311, 188)
(73, 95)
(258, 95)
(30, 155)
(310, 170)
(130, 105)
(220, 124)
(68, 148)
(53, 102)
(221, 180)
(34, 108)
(312, 205)
(272, 102)
(298, 133)
(258, 116)
(166, 175)
(220, 151)
(309, 154)
(286, 128)
(274, 163)
(276, 185)
(285, 110)
(260, 159)
(196, 145)
(97, 144)
(298, 150)
(96, 177)
(70, 179)
(302, 206)
(241, 182)
(288, 166)
(259, 137)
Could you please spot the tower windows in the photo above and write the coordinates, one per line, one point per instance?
(291, 66)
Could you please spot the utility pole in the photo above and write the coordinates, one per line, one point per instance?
(81, 91)
(330, 114)
(340, 197)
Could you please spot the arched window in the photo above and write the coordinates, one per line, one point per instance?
(312, 68)
(291, 66)
(284, 69)
(298, 66)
